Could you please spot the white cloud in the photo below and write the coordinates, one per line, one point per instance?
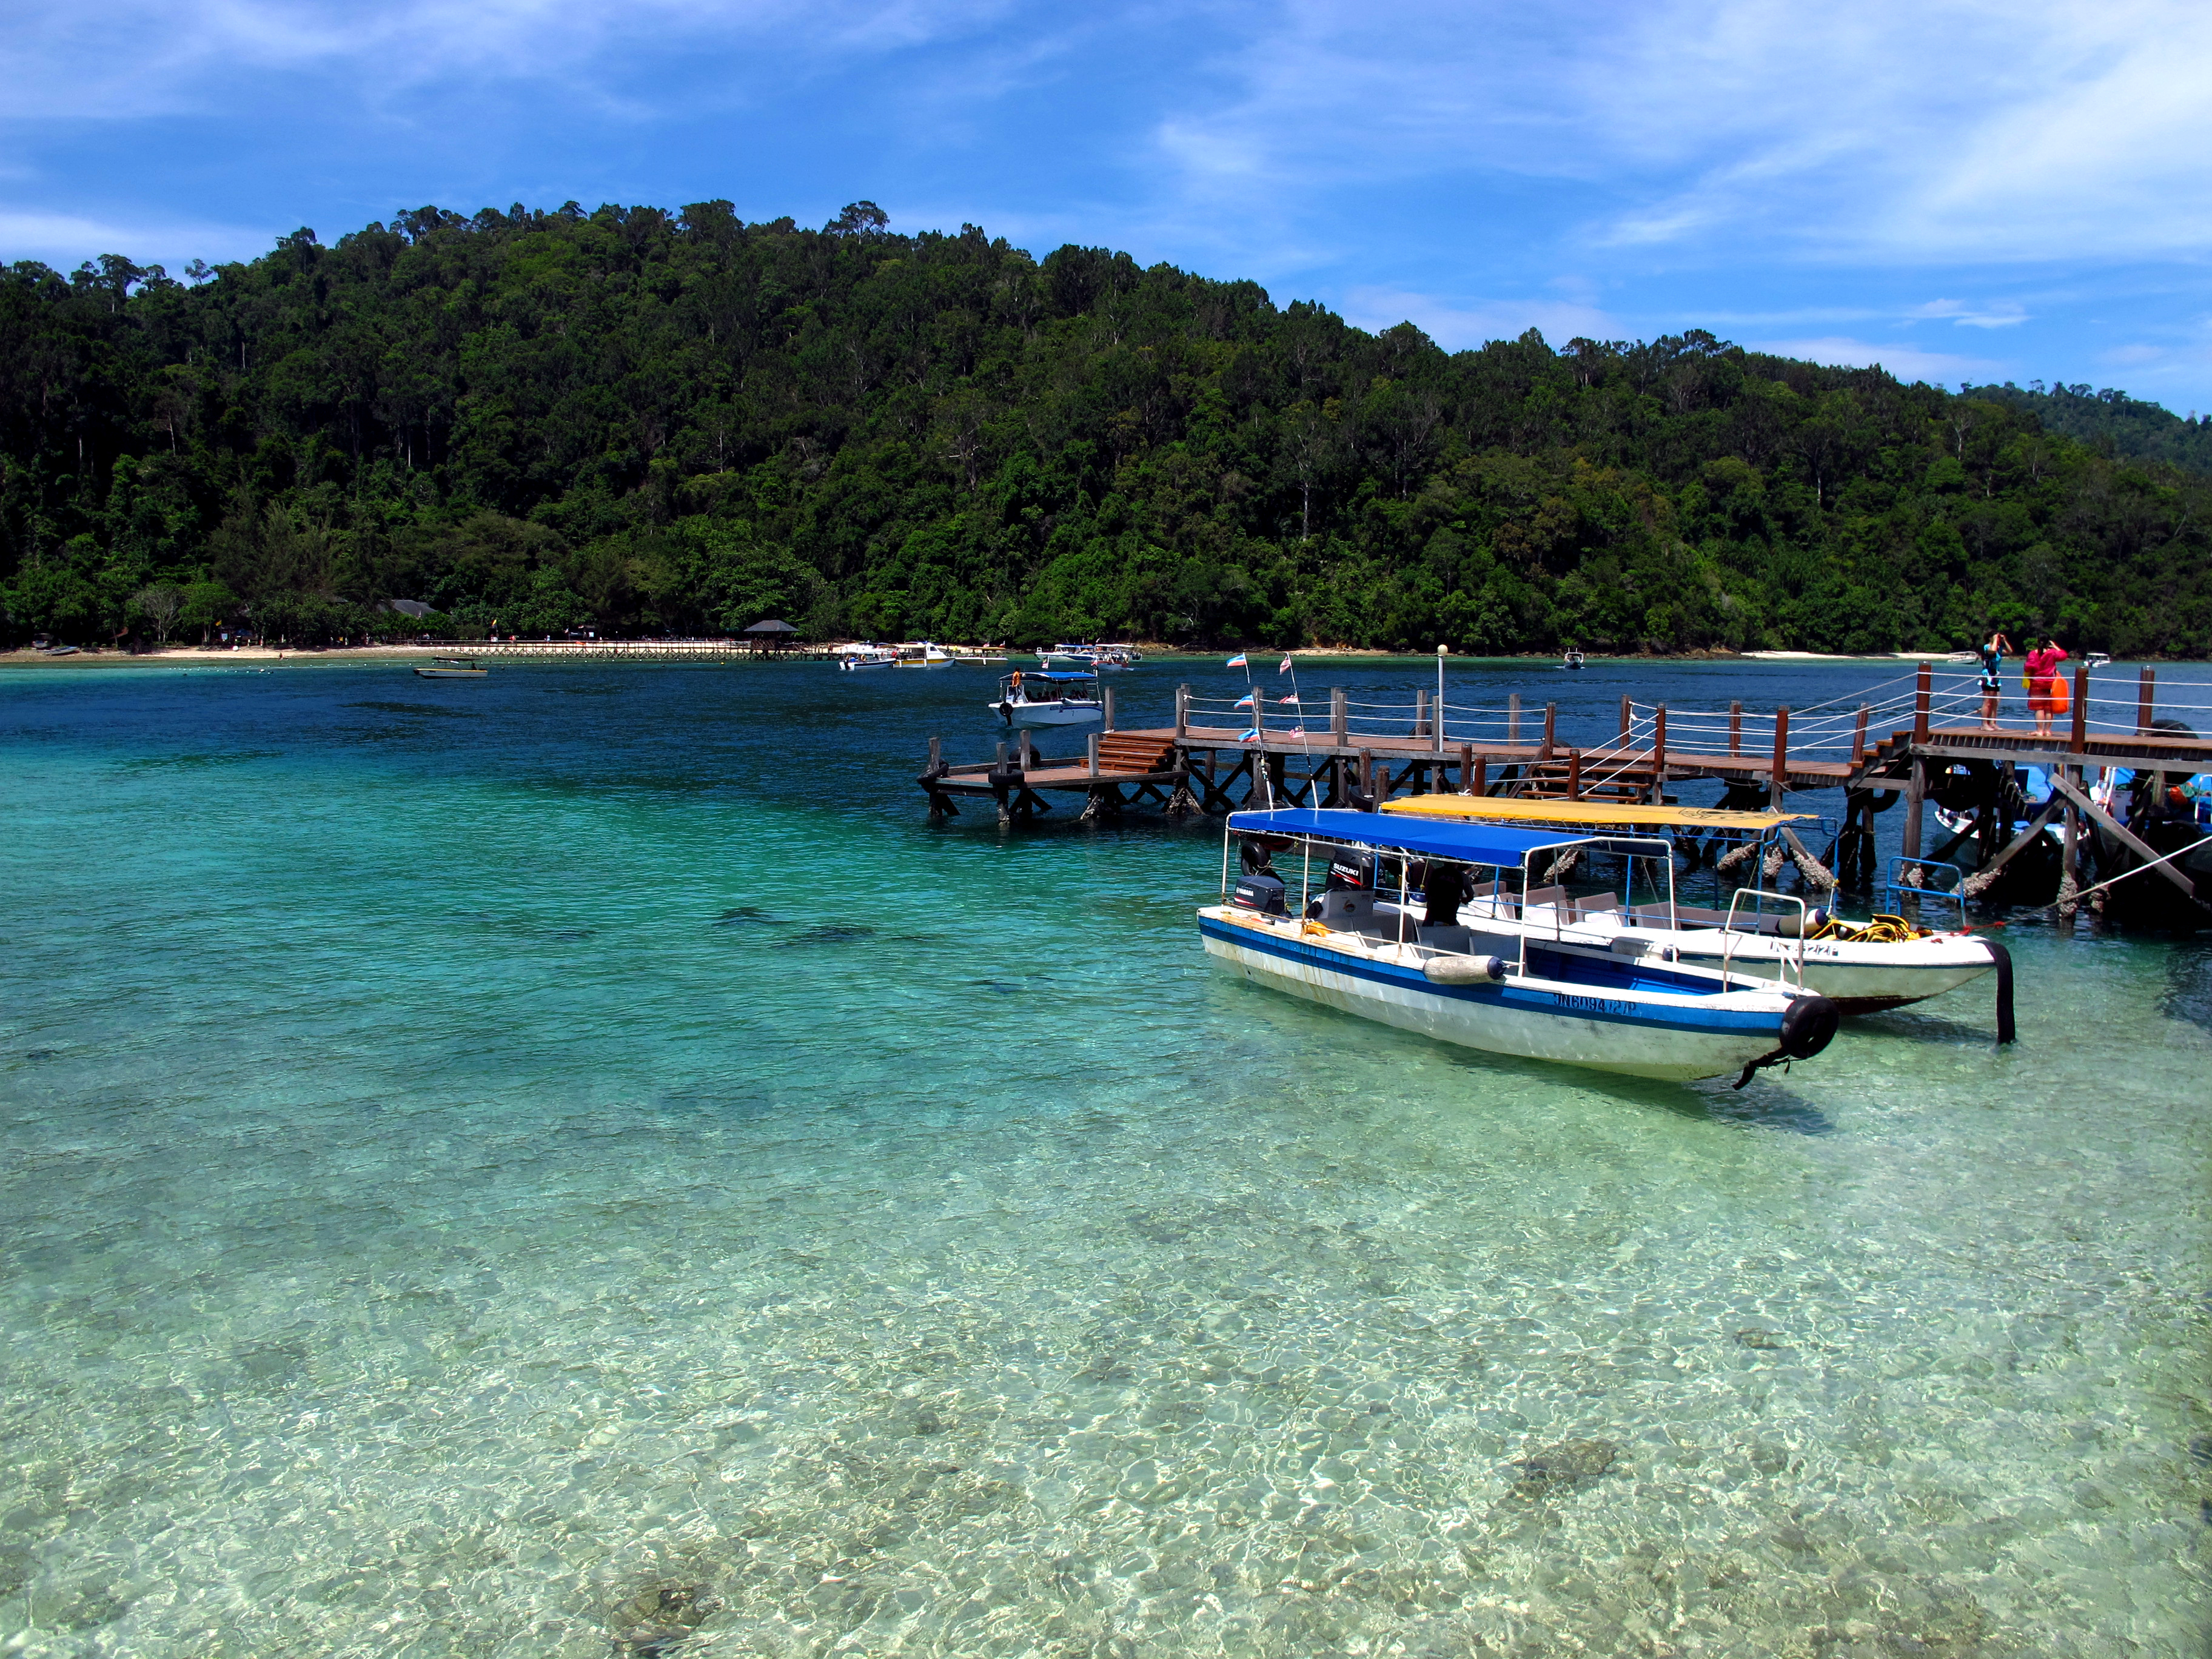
(1907, 363)
(61, 59)
(2013, 130)
(66, 240)
(1458, 324)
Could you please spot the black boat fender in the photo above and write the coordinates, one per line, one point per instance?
(1809, 1025)
(2002, 958)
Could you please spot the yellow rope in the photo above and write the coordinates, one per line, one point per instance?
(1880, 930)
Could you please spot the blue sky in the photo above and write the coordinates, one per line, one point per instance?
(1955, 190)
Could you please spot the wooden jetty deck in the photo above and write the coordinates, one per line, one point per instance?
(1198, 764)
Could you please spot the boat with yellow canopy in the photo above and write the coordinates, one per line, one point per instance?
(1591, 814)
(1862, 968)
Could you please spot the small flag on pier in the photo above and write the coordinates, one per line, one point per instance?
(1286, 668)
(1293, 698)
(1253, 736)
(1296, 732)
(1236, 661)
(1244, 701)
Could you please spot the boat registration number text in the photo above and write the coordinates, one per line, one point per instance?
(1593, 1004)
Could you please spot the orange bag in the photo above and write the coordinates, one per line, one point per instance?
(2061, 698)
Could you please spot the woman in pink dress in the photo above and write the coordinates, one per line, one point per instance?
(2043, 685)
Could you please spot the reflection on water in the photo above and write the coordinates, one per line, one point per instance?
(525, 1197)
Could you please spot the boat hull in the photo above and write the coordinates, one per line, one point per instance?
(1048, 714)
(1680, 1040)
(1859, 979)
(451, 673)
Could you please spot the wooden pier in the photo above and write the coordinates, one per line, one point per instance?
(1201, 764)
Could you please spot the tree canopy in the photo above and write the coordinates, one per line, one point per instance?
(647, 421)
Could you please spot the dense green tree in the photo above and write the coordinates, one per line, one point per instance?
(646, 421)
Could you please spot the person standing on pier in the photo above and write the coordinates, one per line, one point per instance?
(2043, 685)
(1993, 655)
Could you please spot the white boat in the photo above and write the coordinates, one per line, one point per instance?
(922, 654)
(1489, 982)
(1572, 659)
(451, 668)
(1090, 658)
(1039, 696)
(851, 657)
(2096, 660)
(1862, 967)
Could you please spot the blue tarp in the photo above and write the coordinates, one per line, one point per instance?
(1470, 843)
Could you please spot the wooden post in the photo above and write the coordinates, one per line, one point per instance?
(1367, 773)
(1182, 711)
(1550, 721)
(1421, 712)
(1624, 719)
(1107, 697)
(1735, 728)
(2080, 743)
(1574, 774)
(1094, 749)
(1478, 781)
(2146, 701)
(1781, 756)
(1920, 698)
(1466, 767)
(936, 756)
(1336, 716)
(1002, 757)
(2070, 863)
(1659, 753)
(1916, 791)
(1858, 738)
(1513, 719)
(1029, 752)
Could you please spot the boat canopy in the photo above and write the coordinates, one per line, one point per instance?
(1587, 814)
(1495, 844)
(1028, 674)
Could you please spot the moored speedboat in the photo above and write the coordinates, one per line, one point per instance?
(1038, 697)
(923, 653)
(865, 655)
(1862, 967)
(1506, 980)
(451, 668)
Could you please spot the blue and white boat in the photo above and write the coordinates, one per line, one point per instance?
(1376, 929)
(1040, 697)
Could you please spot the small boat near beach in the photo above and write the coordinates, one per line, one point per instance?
(924, 653)
(1092, 658)
(1572, 659)
(1039, 696)
(450, 668)
(851, 657)
(1863, 967)
(1447, 929)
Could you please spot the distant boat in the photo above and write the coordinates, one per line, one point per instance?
(922, 654)
(451, 668)
(1572, 659)
(1041, 697)
(850, 657)
(2096, 660)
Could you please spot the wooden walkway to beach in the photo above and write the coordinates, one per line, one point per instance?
(1199, 764)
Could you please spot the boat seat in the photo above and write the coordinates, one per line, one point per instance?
(1348, 908)
(1597, 904)
(1455, 938)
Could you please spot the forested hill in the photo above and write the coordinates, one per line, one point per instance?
(2112, 423)
(682, 422)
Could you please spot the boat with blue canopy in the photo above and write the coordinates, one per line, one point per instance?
(1451, 929)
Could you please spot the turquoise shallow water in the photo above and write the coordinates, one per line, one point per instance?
(558, 1165)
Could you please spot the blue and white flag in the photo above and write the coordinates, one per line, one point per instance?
(1236, 661)
(1244, 701)
(1253, 736)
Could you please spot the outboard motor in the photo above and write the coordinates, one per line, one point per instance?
(1262, 892)
(1348, 869)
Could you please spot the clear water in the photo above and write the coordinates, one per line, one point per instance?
(573, 1163)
